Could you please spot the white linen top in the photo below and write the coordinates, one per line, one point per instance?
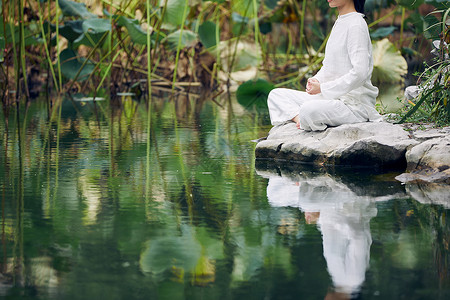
(347, 66)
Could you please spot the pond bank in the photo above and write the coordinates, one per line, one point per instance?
(422, 152)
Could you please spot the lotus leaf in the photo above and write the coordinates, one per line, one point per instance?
(74, 9)
(254, 93)
(71, 30)
(93, 32)
(29, 35)
(188, 38)
(389, 64)
(207, 34)
(71, 65)
(174, 13)
(137, 34)
(382, 32)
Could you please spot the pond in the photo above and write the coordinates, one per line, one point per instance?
(109, 200)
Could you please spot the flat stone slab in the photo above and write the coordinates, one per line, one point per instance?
(377, 144)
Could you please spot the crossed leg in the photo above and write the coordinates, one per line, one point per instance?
(309, 112)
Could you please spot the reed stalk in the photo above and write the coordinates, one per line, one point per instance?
(46, 48)
(58, 60)
(158, 29)
(108, 69)
(16, 52)
(400, 42)
(257, 32)
(302, 25)
(91, 53)
(183, 20)
(119, 8)
(4, 21)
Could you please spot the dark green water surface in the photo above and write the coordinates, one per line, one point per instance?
(103, 203)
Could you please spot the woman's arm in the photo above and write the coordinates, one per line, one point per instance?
(358, 43)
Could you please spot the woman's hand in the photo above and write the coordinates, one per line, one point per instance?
(313, 86)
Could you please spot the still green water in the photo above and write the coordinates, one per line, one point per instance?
(103, 203)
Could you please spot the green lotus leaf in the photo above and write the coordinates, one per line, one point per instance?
(174, 13)
(188, 38)
(389, 66)
(93, 32)
(207, 34)
(137, 34)
(254, 93)
(382, 32)
(74, 9)
(71, 64)
(71, 30)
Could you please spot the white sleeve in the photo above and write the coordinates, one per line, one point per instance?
(320, 75)
(358, 42)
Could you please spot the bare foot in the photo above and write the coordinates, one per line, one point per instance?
(296, 119)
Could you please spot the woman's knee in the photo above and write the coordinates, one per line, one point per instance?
(273, 97)
(309, 110)
(273, 94)
(310, 117)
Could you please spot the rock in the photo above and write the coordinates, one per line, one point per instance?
(379, 144)
(425, 132)
(428, 162)
(411, 92)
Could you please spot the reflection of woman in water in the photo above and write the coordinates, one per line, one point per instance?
(342, 216)
(341, 92)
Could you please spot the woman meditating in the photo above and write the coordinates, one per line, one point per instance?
(341, 92)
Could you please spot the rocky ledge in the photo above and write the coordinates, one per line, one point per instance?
(423, 152)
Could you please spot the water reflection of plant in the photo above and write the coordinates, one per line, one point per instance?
(98, 196)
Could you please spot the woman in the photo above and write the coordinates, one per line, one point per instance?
(341, 92)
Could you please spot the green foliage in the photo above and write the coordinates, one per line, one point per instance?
(287, 36)
(254, 93)
(75, 9)
(410, 4)
(433, 102)
(94, 31)
(135, 31)
(389, 66)
(71, 30)
(2, 49)
(382, 32)
(74, 67)
(425, 25)
(207, 34)
(7, 34)
(173, 13)
(188, 38)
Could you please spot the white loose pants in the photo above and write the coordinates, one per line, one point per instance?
(314, 111)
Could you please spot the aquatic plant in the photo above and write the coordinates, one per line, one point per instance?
(433, 101)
